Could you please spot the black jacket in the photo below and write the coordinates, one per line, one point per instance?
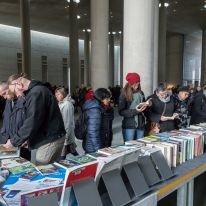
(106, 126)
(155, 112)
(43, 120)
(128, 114)
(198, 113)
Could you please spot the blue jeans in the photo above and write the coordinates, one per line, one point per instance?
(132, 134)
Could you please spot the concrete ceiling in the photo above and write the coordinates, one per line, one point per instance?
(52, 16)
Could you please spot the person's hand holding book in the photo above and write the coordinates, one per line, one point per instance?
(8, 144)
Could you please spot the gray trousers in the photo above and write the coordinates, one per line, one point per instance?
(47, 153)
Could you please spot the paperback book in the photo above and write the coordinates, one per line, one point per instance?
(9, 153)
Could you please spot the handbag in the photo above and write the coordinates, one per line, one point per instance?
(151, 127)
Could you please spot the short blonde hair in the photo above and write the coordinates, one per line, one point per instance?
(62, 90)
(15, 77)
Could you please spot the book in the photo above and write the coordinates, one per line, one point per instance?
(144, 104)
(107, 164)
(13, 162)
(82, 159)
(113, 150)
(23, 168)
(97, 155)
(47, 169)
(67, 163)
(30, 175)
(8, 153)
(134, 143)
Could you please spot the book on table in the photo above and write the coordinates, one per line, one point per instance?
(9, 153)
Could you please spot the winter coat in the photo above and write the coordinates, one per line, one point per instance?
(43, 120)
(182, 108)
(155, 112)
(106, 126)
(198, 113)
(13, 118)
(128, 114)
(93, 141)
(67, 110)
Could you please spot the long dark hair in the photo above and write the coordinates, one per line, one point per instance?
(128, 91)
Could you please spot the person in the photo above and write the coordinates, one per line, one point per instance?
(182, 107)
(107, 116)
(161, 110)
(43, 127)
(13, 117)
(133, 118)
(198, 110)
(92, 108)
(67, 111)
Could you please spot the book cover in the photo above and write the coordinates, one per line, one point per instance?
(30, 175)
(68, 163)
(113, 150)
(47, 169)
(13, 162)
(82, 159)
(8, 153)
(22, 168)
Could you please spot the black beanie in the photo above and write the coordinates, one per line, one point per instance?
(101, 94)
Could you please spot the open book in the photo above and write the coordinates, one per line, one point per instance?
(144, 104)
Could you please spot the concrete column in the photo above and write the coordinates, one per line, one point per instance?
(175, 46)
(139, 41)
(190, 193)
(156, 39)
(99, 43)
(203, 63)
(162, 43)
(111, 59)
(25, 36)
(182, 195)
(121, 59)
(86, 59)
(74, 46)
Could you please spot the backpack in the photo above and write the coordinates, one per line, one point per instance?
(80, 129)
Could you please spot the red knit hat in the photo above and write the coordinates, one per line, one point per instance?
(133, 78)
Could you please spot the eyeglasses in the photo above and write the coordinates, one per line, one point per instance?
(13, 83)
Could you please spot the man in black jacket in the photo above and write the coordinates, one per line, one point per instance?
(43, 127)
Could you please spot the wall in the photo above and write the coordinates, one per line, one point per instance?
(53, 46)
(174, 59)
(192, 58)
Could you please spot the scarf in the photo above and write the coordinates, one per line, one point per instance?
(136, 99)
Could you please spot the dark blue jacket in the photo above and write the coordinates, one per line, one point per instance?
(13, 118)
(93, 140)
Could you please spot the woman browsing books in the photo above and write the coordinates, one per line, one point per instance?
(131, 107)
